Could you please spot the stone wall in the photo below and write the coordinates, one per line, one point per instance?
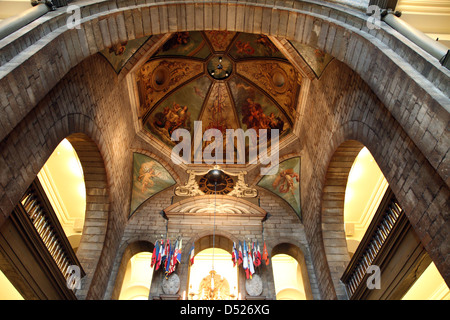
(147, 225)
(385, 93)
(342, 103)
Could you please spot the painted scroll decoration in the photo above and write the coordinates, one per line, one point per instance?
(240, 188)
(285, 182)
(149, 178)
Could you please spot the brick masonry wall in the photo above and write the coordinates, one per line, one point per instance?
(395, 103)
(78, 104)
(343, 103)
(147, 224)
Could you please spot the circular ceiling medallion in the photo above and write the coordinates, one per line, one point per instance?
(279, 80)
(220, 67)
(160, 78)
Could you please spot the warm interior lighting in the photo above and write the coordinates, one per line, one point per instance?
(7, 290)
(63, 181)
(288, 278)
(138, 277)
(223, 268)
(365, 188)
(429, 286)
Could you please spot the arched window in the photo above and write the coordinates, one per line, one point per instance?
(225, 277)
(45, 229)
(138, 277)
(288, 278)
(366, 186)
(379, 235)
(63, 182)
(290, 273)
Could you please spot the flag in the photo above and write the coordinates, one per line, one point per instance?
(191, 255)
(155, 254)
(245, 260)
(169, 255)
(160, 255)
(251, 269)
(174, 257)
(253, 252)
(257, 255)
(240, 258)
(265, 255)
(234, 254)
(179, 250)
(164, 253)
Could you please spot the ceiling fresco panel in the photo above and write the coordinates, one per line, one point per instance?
(159, 77)
(278, 79)
(149, 178)
(179, 110)
(226, 80)
(284, 181)
(254, 46)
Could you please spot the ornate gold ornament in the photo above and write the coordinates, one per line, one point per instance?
(233, 185)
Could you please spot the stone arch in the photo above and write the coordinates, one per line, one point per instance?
(351, 138)
(332, 212)
(86, 138)
(97, 202)
(127, 253)
(332, 28)
(204, 240)
(296, 253)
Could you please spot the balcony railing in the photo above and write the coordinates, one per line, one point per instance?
(38, 212)
(374, 241)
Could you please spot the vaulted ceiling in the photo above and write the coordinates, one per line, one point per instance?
(226, 80)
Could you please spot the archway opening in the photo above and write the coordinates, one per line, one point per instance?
(62, 179)
(366, 186)
(212, 276)
(288, 278)
(379, 235)
(138, 277)
(290, 273)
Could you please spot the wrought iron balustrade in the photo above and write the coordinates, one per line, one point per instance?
(374, 241)
(35, 209)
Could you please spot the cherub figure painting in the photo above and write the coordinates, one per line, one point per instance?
(149, 178)
(285, 182)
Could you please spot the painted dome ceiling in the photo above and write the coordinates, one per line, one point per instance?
(226, 80)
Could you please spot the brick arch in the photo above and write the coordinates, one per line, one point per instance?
(97, 203)
(334, 29)
(332, 211)
(127, 253)
(86, 139)
(408, 174)
(296, 253)
(204, 240)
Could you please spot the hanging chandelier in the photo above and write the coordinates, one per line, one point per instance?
(213, 286)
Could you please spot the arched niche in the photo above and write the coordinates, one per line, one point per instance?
(333, 200)
(97, 204)
(296, 253)
(131, 250)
